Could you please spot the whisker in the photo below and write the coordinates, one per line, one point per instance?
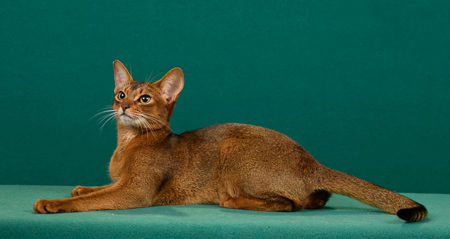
(102, 112)
(147, 126)
(105, 116)
(154, 77)
(112, 116)
(155, 120)
(159, 122)
(139, 122)
(148, 78)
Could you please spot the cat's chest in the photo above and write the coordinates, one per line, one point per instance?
(118, 160)
(123, 156)
(127, 137)
(115, 166)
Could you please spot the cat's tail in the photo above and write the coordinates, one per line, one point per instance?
(373, 195)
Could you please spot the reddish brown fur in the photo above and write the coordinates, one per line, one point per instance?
(233, 165)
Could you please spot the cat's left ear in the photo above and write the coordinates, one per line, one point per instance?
(171, 85)
(121, 75)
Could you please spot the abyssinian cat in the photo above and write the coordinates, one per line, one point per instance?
(234, 165)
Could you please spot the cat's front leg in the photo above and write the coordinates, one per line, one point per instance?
(80, 190)
(114, 197)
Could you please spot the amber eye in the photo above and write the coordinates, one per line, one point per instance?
(145, 99)
(121, 96)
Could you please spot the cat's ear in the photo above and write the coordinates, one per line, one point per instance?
(171, 85)
(121, 75)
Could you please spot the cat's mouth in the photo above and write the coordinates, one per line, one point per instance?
(125, 115)
(127, 119)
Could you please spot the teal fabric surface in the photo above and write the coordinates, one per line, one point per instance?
(341, 218)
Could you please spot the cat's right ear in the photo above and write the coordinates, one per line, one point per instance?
(121, 75)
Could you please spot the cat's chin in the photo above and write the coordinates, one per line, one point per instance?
(127, 120)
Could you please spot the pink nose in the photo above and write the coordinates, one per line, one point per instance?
(125, 106)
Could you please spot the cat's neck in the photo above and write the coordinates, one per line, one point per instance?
(149, 137)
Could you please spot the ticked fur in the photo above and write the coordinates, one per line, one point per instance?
(234, 165)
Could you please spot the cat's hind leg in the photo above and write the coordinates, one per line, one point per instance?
(80, 190)
(256, 204)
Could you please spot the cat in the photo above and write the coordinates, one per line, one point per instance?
(234, 165)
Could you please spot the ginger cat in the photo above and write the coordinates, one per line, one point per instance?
(234, 165)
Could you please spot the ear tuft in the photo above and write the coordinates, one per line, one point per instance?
(121, 75)
(171, 85)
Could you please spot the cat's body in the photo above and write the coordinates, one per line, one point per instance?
(205, 165)
(235, 165)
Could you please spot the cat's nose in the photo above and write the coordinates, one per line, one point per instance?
(125, 106)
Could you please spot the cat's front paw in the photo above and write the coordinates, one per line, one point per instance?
(80, 190)
(50, 206)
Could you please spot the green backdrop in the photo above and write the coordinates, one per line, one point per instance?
(362, 85)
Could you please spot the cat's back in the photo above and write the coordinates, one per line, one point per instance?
(229, 130)
(208, 139)
(211, 137)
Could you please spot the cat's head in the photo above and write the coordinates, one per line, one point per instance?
(145, 105)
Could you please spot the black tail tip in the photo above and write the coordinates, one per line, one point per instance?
(412, 214)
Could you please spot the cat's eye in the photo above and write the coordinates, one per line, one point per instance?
(145, 99)
(121, 96)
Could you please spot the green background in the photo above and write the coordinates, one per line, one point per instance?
(362, 85)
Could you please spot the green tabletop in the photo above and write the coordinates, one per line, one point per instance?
(341, 218)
